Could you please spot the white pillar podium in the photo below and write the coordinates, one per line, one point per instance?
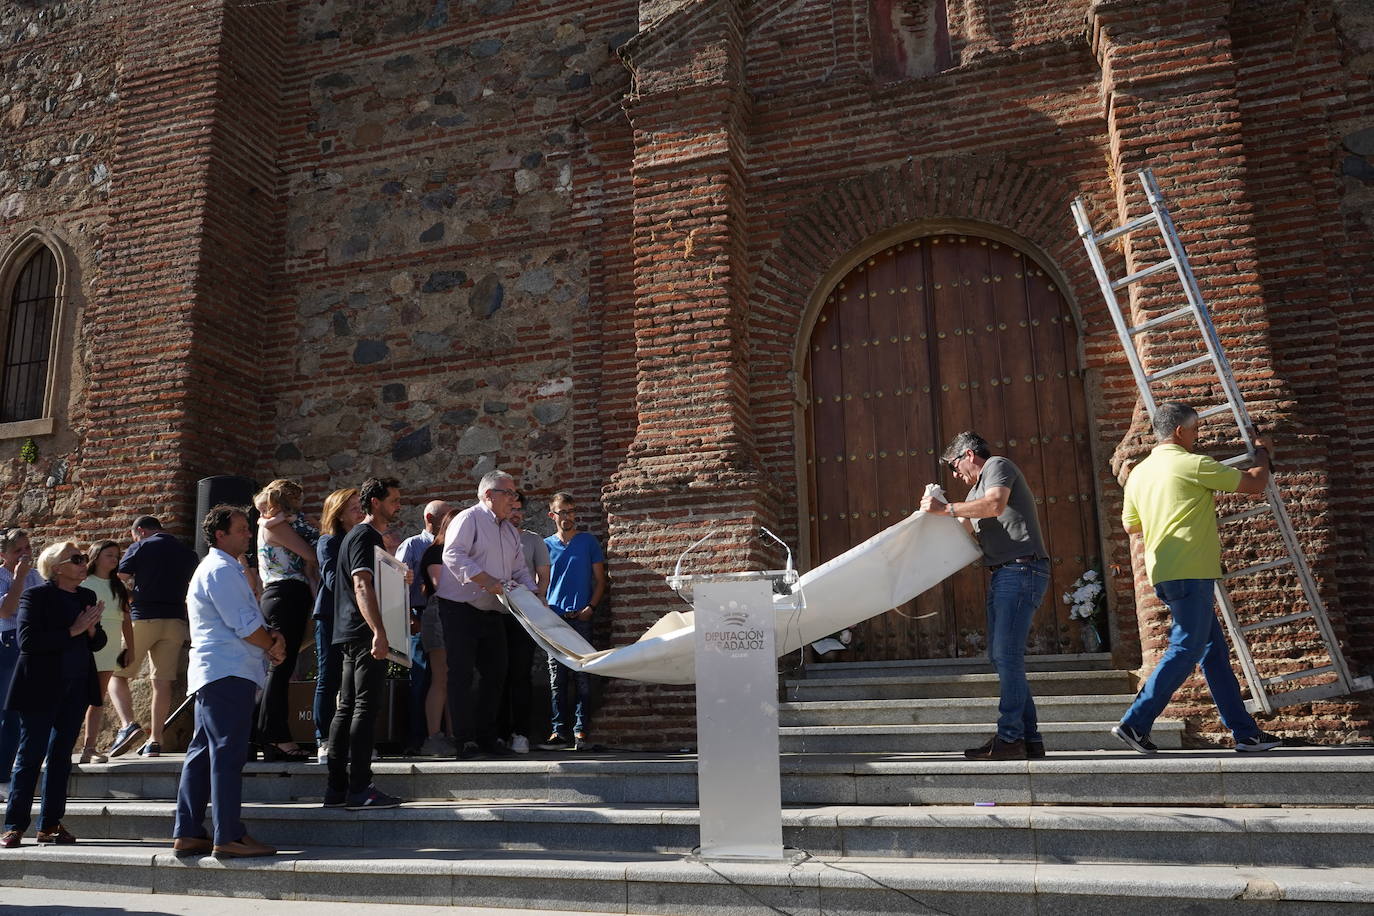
(738, 783)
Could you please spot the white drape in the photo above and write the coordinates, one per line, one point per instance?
(885, 571)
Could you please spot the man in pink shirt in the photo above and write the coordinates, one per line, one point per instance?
(483, 551)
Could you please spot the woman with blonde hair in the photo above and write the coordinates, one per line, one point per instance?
(59, 632)
(342, 511)
(116, 618)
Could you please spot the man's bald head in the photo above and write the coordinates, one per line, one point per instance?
(435, 510)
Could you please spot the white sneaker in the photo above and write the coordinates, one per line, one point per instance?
(322, 755)
(4, 791)
(520, 744)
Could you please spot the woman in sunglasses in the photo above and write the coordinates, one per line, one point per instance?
(59, 630)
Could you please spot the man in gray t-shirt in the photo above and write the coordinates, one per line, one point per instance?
(1000, 511)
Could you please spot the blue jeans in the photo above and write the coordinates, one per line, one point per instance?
(1013, 595)
(558, 678)
(1196, 637)
(50, 732)
(9, 719)
(328, 673)
(213, 770)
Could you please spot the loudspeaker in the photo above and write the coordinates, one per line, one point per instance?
(222, 488)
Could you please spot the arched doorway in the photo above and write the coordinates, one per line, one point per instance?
(926, 338)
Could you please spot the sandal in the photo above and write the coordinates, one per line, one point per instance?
(273, 752)
(59, 836)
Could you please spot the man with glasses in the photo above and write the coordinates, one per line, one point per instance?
(1169, 503)
(1000, 511)
(16, 575)
(576, 586)
(483, 551)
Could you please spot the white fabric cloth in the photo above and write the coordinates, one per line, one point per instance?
(884, 572)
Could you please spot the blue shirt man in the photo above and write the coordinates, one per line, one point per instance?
(577, 583)
(230, 649)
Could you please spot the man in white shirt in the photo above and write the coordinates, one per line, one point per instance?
(230, 649)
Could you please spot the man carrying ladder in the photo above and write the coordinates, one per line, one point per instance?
(1169, 502)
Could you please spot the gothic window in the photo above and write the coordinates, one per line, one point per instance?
(30, 311)
(910, 38)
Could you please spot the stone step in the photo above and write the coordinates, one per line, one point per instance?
(1284, 776)
(951, 738)
(1043, 683)
(1097, 661)
(1092, 708)
(673, 886)
(1312, 837)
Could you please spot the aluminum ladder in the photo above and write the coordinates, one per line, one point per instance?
(1264, 697)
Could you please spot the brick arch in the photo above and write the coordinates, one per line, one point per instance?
(831, 232)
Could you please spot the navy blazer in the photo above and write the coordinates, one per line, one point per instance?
(46, 615)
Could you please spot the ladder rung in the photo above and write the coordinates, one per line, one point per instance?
(1213, 411)
(1238, 459)
(1124, 228)
(1306, 694)
(1259, 567)
(1295, 675)
(1181, 367)
(1145, 274)
(1242, 516)
(1161, 319)
(1275, 622)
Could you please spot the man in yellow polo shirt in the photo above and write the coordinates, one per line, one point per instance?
(1170, 503)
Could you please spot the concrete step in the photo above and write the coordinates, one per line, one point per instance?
(67, 902)
(1043, 683)
(1312, 837)
(1285, 776)
(670, 885)
(1093, 708)
(950, 738)
(1098, 661)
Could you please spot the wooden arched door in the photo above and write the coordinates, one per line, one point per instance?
(927, 338)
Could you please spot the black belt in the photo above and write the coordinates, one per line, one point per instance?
(1029, 558)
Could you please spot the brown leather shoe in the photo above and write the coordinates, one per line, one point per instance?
(58, 836)
(11, 839)
(997, 749)
(184, 846)
(244, 848)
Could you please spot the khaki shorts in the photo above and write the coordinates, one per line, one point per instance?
(161, 639)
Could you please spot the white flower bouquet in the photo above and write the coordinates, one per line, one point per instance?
(1085, 596)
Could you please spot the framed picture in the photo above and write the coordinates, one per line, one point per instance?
(393, 597)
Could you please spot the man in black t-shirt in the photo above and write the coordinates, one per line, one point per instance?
(358, 631)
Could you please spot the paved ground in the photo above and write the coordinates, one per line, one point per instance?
(16, 901)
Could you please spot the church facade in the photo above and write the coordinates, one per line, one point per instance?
(703, 263)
